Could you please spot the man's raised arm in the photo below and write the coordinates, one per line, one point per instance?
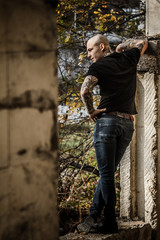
(132, 43)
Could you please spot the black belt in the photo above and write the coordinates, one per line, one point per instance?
(119, 114)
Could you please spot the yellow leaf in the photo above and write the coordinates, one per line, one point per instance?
(101, 28)
(67, 38)
(113, 18)
(92, 4)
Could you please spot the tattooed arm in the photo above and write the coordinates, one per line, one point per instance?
(86, 92)
(131, 43)
(87, 97)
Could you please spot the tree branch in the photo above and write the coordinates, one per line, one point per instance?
(85, 167)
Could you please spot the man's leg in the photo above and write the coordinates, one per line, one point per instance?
(98, 202)
(95, 209)
(105, 152)
(105, 143)
(110, 145)
(111, 141)
(124, 139)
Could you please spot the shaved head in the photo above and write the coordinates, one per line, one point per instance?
(98, 47)
(98, 39)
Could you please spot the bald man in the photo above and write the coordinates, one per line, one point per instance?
(115, 73)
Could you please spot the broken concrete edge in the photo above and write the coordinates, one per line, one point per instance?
(149, 62)
(129, 230)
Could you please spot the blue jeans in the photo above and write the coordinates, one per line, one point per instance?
(112, 135)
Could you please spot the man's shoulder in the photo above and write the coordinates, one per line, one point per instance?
(134, 49)
(133, 53)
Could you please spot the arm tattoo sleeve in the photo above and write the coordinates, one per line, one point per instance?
(86, 92)
(131, 43)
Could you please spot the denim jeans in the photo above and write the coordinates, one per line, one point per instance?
(112, 135)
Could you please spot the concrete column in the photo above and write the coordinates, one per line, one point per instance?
(152, 17)
(158, 164)
(28, 128)
(153, 28)
(140, 148)
(158, 147)
(125, 184)
(150, 152)
(147, 138)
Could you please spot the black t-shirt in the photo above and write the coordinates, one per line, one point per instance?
(116, 76)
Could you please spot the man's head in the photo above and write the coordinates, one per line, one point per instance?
(98, 47)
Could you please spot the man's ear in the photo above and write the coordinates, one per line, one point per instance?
(102, 47)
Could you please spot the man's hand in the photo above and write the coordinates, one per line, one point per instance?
(87, 98)
(94, 114)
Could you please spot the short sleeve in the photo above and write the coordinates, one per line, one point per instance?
(93, 71)
(133, 55)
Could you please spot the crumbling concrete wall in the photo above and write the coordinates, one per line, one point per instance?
(146, 163)
(141, 169)
(28, 112)
(143, 197)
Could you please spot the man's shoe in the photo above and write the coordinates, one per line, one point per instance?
(104, 228)
(86, 225)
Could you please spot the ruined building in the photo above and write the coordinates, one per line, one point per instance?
(140, 197)
(28, 130)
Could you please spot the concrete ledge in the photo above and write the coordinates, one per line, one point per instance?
(128, 231)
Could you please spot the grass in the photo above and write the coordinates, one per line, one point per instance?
(77, 187)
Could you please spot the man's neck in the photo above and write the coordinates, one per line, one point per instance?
(106, 53)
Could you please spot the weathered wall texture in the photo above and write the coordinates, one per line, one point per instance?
(139, 173)
(129, 231)
(158, 159)
(146, 149)
(152, 17)
(150, 148)
(158, 144)
(125, 195)
(149, 79)
(28, 109)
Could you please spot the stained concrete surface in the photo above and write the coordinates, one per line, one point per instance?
(129, 230)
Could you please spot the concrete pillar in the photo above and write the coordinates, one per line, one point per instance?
(147, 138)
(140, 191)
(152, 17)
(28, 128)
(145, 163)
(158, 160)
(150, 152)
(125, 183)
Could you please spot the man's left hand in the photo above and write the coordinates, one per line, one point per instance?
(93, 115)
